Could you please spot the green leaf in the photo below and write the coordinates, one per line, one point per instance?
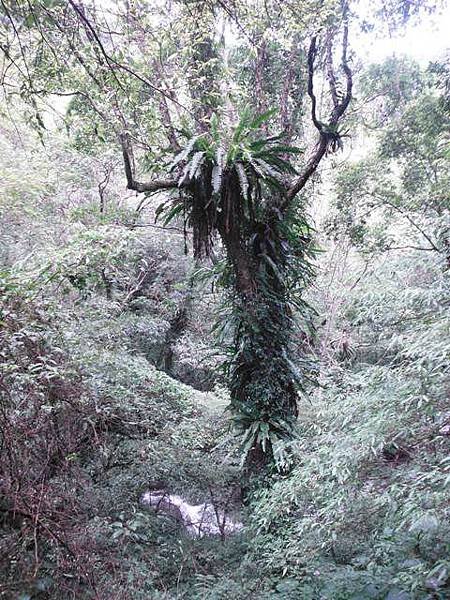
(173, 212)
(267, 169)
(243, 180)
(184, 153)
(280, 149)
(196, 163)
(242, 125)
(263, 118)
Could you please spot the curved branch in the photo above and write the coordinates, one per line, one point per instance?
(321, 148)
(132, 184)
(330, 68)
(311, 59)
(338, 110)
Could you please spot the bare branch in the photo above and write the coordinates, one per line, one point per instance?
(132, 184)
(286, 119)
(309, 170)
(92, 33)
(321, 148)
(342, 106)
(165, 113)
(413, 223)
(311, 59)
(410, 247)
(153, 226)
(326, 130)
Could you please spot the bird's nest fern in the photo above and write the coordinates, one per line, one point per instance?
(223, 182)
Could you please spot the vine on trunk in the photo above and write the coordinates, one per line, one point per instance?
(238, 192)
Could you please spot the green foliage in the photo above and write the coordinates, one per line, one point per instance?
(236, 190)
(214, 166)
(364, 512)
(121, 426)
(388, 87)
(89, 422)
(358, 508)
(262, 377)
(398, 195)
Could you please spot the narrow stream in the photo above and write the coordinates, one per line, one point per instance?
(198, 520)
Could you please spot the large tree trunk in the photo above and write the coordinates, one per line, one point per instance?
(260, 374)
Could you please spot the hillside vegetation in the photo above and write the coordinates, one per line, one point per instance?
(209, 340)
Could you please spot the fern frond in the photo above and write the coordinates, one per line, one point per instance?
(216, 179)
(258, 170)
(263, 118)
(215, 133)
(282, 149)
(184, 153)
(282, 165)
(196, 163)
(243, 180)
(220, 156)
(184, 175)
(173, 212)
(267, 169)
(242, 125)
(256, 145)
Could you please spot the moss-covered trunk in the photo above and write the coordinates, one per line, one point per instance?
(261, 378)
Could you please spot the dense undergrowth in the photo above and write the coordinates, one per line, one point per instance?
(89, 421)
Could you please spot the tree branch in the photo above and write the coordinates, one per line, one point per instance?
(413, 223)
(340, 109)
(165, 113)
(132, 184)
(112, 62)
(326, 131)
(311, 59)
(321, 148)
(286, 120)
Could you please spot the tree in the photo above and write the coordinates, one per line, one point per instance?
(165, 80)
(241, 186)
(403, 181)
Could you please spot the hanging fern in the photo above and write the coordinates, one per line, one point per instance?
(195, 164)
(250, 162)
(181, 156)
(216, 179)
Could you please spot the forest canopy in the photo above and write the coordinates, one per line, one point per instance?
(224, 301)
